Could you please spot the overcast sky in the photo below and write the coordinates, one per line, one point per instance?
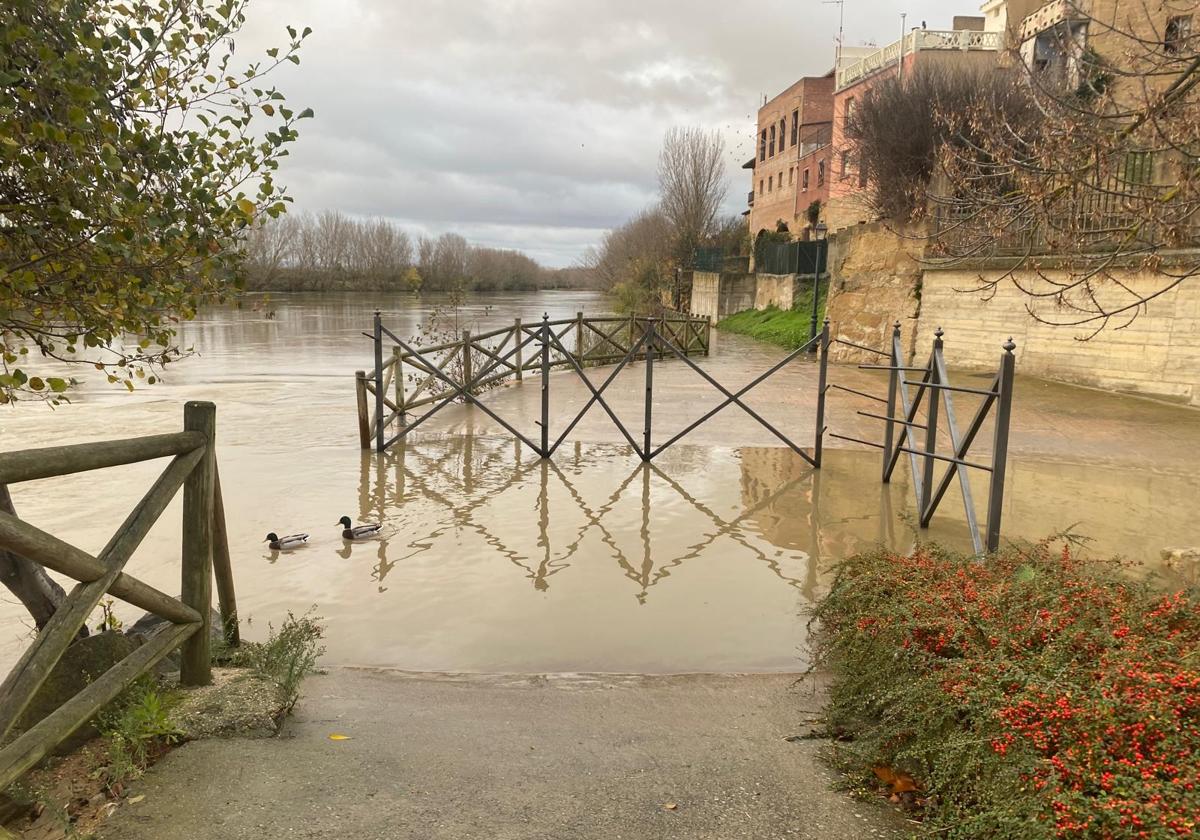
(535, 124)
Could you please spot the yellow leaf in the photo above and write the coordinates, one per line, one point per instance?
(246, 206)
(336, 737)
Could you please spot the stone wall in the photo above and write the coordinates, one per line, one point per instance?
(1158, 354)
(778, 290)
(715, 296)
(880, 276)
(876, 277)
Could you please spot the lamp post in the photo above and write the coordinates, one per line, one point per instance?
(822, 232)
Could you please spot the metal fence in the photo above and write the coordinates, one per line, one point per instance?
(646, 339)
(935, 389)
(790, 257)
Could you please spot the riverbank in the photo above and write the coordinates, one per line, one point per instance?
(787, 328)
(550, 756)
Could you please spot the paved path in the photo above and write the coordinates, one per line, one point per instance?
(445, 756)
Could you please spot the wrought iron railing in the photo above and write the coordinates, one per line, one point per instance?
(915, 41)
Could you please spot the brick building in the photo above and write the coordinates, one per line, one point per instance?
(968, 43)
(789, 168)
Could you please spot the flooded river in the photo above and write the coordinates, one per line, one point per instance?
(491, 560)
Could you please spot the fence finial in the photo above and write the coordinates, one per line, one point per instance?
(938, 333)
(896, 329)
(1010, 345)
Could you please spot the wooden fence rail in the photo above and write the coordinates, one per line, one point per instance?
(205, 552)
(423, 376)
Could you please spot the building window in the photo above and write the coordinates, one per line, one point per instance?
(791, 176)
(820, 173)
(1177, 33)
(760, 186)
(850, 103)
(795, 127)
(782, 135)
(771, 147)
(770, 182)
(862, 172)
(845, 163)
(762, 146)
(804, 181)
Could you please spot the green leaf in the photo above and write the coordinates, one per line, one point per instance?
(36, 383)
(56, 385)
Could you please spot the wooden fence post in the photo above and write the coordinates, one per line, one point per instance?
(520, 348)
(579, 337)
(468, 367)
(223, 565)
(196, 664)
(364, 413)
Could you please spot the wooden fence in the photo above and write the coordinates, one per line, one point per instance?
(489, 359)
(205, 551)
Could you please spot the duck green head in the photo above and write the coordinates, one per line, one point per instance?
(345, 522)
(272, 537)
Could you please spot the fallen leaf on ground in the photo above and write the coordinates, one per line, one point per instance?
(336, 737)
(670, 806)
(133, 800)
(898, 781)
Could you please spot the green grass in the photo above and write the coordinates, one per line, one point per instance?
(787, 328)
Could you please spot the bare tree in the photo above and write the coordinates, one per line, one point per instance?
(1102, 182)
(692, 186)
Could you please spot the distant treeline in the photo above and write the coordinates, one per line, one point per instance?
(332, 252)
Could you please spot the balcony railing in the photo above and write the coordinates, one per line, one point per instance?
(916, 41)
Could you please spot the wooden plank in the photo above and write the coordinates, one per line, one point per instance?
(39, 659)
(34, 544)
(32, 464)
(196, 585)
(223, 565)
(364, 413)
(34, 745)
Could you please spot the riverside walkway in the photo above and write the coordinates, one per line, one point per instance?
(565, 757)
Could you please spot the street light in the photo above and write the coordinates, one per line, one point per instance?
(822, 232)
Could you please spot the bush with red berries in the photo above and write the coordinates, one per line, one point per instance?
(1033, 694)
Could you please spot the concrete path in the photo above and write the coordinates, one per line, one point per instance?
(447, 756)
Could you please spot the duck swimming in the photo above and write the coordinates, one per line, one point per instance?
(278, 543)
(350, 531)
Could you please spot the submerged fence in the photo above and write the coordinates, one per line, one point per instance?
(462, 371)
(920, 440)
(193, 467)
(408, 376)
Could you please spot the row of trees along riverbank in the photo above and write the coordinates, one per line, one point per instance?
(330, 251)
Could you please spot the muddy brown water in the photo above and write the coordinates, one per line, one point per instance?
(491, 560)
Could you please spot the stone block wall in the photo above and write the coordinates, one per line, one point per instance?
(778, 290)
(1157, 355)
(715, 296)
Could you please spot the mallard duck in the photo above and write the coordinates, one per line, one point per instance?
(350, 531)
(278, 543)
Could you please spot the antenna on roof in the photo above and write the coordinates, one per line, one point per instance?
(841, 4)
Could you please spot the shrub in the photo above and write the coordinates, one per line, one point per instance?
(136, 729)
(287, 657)
(1033, 695)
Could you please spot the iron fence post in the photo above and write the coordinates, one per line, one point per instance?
(1004, 390)
(822, 386)
(649, 389)
(889, 434)
(545, 385)
(822, 247)
(931, 428)
(379, 395)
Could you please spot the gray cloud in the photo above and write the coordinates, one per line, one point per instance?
(534, 124)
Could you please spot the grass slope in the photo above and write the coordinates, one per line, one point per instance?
(787, 328)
